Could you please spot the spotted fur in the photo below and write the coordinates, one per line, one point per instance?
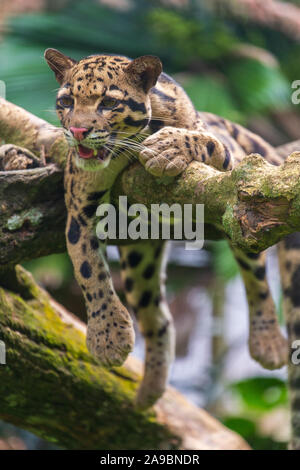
(125, 108)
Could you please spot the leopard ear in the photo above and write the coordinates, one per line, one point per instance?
(144, 71)
(59, 63)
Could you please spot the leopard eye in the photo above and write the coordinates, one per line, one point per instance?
(66, 101)
(108, 102)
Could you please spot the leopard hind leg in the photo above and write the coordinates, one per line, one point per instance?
(289, 262)
(267, 345)
(143, 275)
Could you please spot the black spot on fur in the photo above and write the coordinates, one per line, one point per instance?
(253, 255)
(86, 270)
(145, 299)
(134, 258)
(96, 314)
(263, 295)
(227, 158)
(89, 297)
(187, 143)
(74, 231)
(210, 148)
(260, 273)
(90, 210)
(94, 243)
(102, 276)
(149, 271)
(135, 105)
(129, 284)
(163, 330)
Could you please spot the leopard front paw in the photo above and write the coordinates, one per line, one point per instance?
(111, 339)
(147, 396)
(14, 158)
(162, 155)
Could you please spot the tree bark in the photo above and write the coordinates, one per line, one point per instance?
(54, 388)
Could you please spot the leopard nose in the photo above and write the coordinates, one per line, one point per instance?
(79, 133)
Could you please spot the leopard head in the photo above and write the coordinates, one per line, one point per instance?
(103, 102)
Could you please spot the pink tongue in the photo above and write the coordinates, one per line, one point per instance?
(84, 152)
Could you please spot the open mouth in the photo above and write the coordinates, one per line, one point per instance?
(87, 153)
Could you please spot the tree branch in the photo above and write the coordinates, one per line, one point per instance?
(54, 388)
(256, 204)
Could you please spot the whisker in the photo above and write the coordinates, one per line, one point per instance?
(162, 118)
(135, 148)
(131, 155)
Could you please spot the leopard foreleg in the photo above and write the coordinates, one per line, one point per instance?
(110, 333)
(169, 151)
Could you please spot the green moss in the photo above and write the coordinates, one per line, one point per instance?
(15, 222)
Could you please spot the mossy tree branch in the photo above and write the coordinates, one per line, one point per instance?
(54, 388)
(256, 204)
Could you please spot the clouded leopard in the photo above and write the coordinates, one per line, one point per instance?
(110, 107)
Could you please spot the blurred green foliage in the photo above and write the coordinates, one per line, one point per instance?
(258, 396)
(261, 393)
(192, 40)
(224, 263)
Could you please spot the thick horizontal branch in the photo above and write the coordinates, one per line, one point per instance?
(54, 388)
(256, 204)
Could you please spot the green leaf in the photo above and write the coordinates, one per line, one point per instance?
(223, 261)
(258, 88)
(213, 96)
(261, 393)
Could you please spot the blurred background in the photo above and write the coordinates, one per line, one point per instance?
(235, 58)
